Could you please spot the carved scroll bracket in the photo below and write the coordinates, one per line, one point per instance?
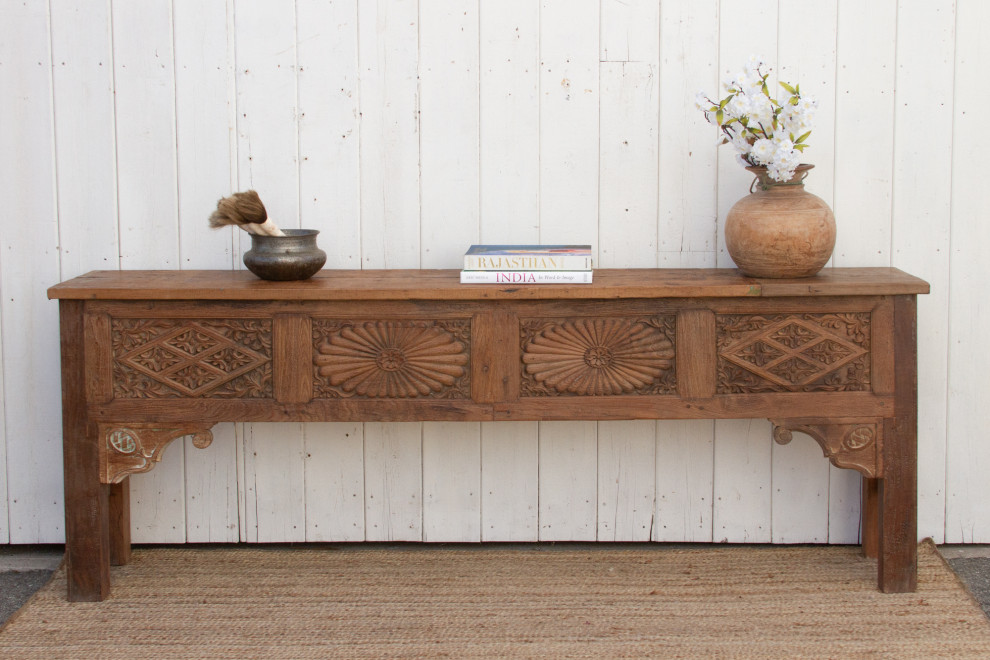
(134, 448)
(847, 443)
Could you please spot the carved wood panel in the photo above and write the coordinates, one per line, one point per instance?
(598, 356)
(855, 444)
(793, 353)
(392, 359)
(135, 448)
(214, 358)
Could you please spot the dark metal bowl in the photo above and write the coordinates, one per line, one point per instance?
(294, 256)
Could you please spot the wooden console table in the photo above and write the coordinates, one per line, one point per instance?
(150, 356)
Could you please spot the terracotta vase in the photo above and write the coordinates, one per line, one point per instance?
(780, 229)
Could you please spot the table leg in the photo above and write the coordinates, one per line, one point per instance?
(898, 496)
(87, 537)
(120, 522)
(870, 532)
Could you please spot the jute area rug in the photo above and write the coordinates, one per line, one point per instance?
(503, 601)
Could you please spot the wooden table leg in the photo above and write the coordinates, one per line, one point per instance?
(870, 531)
(120, 522)
(898, 496)
(87, 537)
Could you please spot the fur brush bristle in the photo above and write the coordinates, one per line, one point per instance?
(245, 210)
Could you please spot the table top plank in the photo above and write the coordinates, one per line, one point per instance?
(408, 284)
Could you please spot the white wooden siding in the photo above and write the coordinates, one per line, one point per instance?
(406, 130)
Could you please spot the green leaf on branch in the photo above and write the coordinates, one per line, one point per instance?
(790, 89)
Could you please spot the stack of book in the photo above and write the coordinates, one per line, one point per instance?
(527, 264)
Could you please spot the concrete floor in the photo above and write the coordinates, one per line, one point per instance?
(26, 568)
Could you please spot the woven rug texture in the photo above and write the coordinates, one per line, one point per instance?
(563, 601)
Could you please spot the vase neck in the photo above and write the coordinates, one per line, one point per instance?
(765, 183)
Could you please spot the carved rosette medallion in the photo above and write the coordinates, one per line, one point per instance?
(597, 357)
(392, 359)
(793, 353)
(127, 450)
(216, 358)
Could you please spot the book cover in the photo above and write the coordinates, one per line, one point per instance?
(528, 257)
(525, 277)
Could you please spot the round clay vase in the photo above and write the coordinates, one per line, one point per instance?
(294, 256)
(780, 229)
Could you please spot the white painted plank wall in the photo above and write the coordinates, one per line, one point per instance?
(406, 130)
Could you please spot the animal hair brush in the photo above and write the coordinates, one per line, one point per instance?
(245, 210)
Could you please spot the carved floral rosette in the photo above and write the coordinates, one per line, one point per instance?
(202, 358)
(392, 359)
(793, 353)
(598, 356)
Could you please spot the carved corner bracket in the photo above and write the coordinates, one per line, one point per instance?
(848, 443)
(134, 448)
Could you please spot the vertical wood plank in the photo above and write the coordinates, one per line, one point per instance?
(685, 450)
(569, 121)
(82, 82)
(629, 165)
(844, 500)
(205, 124)
(696, 361)
(449, 130)
(334, 482)
(897, 560)
(865, 77)
(742, 482)
(293, 358)
(4, 495)
(967, 453)
(158, 503)
(29, 263)
(276, 482)
(388, 55)
(568, 481)
(689, 46)
(510, 503)
(119, 514)
(211, 488)
(329, 125)
(509, 121)
(393, 482)
(87, 515)
(449, 62)
(451, 482)
(629, 31)
(922, 212)
(627, 480)
(800, 497)
(144, 99)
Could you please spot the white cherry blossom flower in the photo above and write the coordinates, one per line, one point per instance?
(764, 131)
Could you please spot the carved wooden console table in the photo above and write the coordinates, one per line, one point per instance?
(148, 357)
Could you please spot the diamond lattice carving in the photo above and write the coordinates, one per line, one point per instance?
(159, 358)
(792, 353)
